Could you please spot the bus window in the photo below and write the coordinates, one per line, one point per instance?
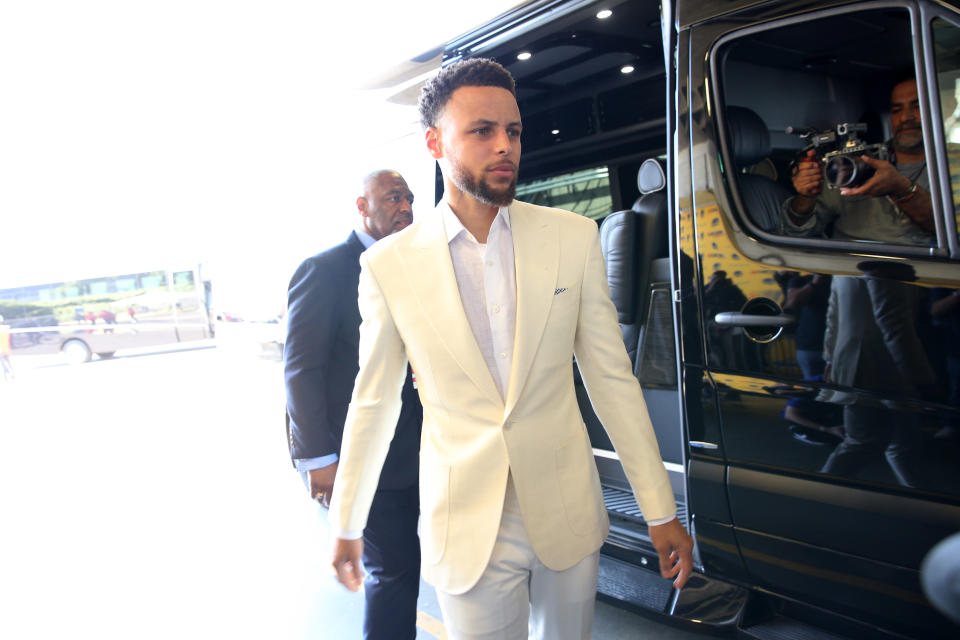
(152, 280)
(585, 192)
(183, 280)
(126, 284)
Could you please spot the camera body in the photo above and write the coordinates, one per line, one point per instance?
(842, 165)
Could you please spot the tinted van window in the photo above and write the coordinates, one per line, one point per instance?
(824, 130)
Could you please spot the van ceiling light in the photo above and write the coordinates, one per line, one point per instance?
(603, 15)
(555, 132)
(524, 55)
(627, 68)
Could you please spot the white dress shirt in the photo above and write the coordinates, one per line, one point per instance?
(487, 280)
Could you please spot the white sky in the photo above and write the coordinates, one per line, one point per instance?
(135, 134)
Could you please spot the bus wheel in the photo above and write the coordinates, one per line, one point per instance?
(76, 351)
(105, 355)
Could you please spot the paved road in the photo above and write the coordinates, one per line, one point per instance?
(151, 496)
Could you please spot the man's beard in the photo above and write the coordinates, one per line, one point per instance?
(481, 190)
(913, 147)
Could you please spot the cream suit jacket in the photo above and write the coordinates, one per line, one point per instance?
(472, 437)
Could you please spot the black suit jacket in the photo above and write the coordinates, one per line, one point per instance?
(321, 354)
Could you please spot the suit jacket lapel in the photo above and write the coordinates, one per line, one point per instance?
(432, 280)
(536, 250)
(356, 243)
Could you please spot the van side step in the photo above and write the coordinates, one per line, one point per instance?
(783, 628)
(710, 605)
(704, 606)
(632, 585)
(623, 503)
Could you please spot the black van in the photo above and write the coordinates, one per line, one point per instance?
(803, 377)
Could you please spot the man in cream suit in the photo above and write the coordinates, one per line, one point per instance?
(490, 299)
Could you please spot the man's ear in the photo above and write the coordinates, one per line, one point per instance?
(362, 206)
(434, 144)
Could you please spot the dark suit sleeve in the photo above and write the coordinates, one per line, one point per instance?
(312, 322)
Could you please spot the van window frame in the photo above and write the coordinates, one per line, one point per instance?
(928, 12)
(946, 247)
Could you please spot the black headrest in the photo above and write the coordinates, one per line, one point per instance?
(651, 177)
(652, 224)
(618, 239)
(749, 136)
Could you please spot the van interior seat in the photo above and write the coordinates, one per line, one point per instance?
(631, 241)
(635, 245)
(750, 144)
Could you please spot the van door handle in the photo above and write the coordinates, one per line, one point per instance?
(737, 319)
(699, 444)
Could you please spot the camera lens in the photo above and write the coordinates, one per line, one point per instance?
(840, 171)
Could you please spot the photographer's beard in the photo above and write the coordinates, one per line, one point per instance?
(908, 139)
(481, 189)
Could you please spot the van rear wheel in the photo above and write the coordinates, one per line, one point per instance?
(76, 351)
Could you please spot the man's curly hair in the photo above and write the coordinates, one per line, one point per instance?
(475, 72)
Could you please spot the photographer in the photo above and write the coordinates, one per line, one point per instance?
(893, 205)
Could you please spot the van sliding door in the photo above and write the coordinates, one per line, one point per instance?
(831, 370)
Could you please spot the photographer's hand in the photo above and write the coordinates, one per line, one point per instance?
(808, 176)
(913, 200)
(886, 181)
(807, 180)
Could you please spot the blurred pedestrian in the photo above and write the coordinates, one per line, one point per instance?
(6, 346)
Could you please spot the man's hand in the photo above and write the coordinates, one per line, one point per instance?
(807, 181)
(321, 483)
(886, 181)
(675, 547)
(910, 199)
(808, 176)
(346, 562)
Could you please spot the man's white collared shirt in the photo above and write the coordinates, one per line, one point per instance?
(487, 280)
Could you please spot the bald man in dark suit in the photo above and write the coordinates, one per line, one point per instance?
(320, 365)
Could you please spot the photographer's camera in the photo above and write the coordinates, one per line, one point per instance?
(843, 166)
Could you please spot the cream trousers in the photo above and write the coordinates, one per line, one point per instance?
(517, 597)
